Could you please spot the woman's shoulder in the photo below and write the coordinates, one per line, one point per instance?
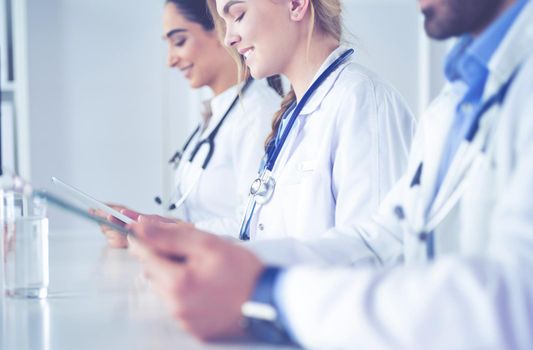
(356, 76)
(255, 107)
(259, 98)
(358, 80)
(259, 91)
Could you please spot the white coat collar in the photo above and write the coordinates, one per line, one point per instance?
(219, 105)
(316, 99)
(513, 50)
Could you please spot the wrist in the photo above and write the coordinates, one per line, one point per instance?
(261, 313)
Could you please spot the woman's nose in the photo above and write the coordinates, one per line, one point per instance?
(231, 39)
(172, 59)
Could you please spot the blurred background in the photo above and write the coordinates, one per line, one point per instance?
(87, 96)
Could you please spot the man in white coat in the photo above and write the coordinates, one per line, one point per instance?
(464, 212)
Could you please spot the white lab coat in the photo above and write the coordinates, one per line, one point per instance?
(478, 293)
(347, 148)
(215, 203)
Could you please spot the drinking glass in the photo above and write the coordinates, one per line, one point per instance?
(25, 245)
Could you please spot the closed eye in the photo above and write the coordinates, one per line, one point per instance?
(238, 19)
(179, 43)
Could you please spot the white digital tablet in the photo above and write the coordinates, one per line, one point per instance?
(63, 204)
(91, 202)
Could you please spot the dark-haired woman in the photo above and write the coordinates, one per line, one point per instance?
(222, 155)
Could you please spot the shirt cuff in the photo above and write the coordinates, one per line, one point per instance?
(262, 314)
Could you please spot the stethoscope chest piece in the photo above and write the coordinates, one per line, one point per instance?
(262, 188)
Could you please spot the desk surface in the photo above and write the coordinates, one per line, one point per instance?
(97, 300)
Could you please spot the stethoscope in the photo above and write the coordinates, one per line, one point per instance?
(263, 187)
(466, 156)
(208, 142)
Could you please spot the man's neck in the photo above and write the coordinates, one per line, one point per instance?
(503, 6)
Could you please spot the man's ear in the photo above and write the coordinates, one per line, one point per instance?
(298, 9)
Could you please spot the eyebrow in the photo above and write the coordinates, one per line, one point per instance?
(229, 4)
(174, 31)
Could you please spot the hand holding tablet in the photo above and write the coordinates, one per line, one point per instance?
(54, 200)
(91, 202)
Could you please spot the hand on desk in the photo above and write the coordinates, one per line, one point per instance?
(206, 289)
(116, 239)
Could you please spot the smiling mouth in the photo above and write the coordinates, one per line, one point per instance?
(246, 53)
(186, 70)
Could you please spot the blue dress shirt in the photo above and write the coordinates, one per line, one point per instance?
(468, 63)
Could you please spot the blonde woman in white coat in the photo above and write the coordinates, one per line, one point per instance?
(344, 149)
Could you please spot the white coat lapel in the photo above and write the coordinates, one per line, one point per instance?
(464, 166)
(436, 122)
(316, 100)
(512, 51)
(312, 105)
(291, 143)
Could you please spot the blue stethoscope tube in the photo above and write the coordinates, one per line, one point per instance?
(263, 187)
(274, 148)
(496, 99)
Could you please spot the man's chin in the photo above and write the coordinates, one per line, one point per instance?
(436, 32)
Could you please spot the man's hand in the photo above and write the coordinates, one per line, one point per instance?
(116, 239)
(203, 279)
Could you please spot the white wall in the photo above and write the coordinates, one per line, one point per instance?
(105, 113)
(389, 38)
(100, 98)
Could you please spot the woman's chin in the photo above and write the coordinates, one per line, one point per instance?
(195, 84)
(258, 73)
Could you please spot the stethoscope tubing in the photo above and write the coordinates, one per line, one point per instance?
(275, 146)
(209, 141)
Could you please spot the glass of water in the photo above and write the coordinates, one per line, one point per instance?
(25, 245)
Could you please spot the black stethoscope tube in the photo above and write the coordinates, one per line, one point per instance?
(209, 140)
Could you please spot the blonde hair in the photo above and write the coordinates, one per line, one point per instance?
(325, 17)
(242, 70)
(220, 27)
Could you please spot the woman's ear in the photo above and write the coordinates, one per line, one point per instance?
(298, 9)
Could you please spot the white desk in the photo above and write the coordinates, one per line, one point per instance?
(97, 300)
